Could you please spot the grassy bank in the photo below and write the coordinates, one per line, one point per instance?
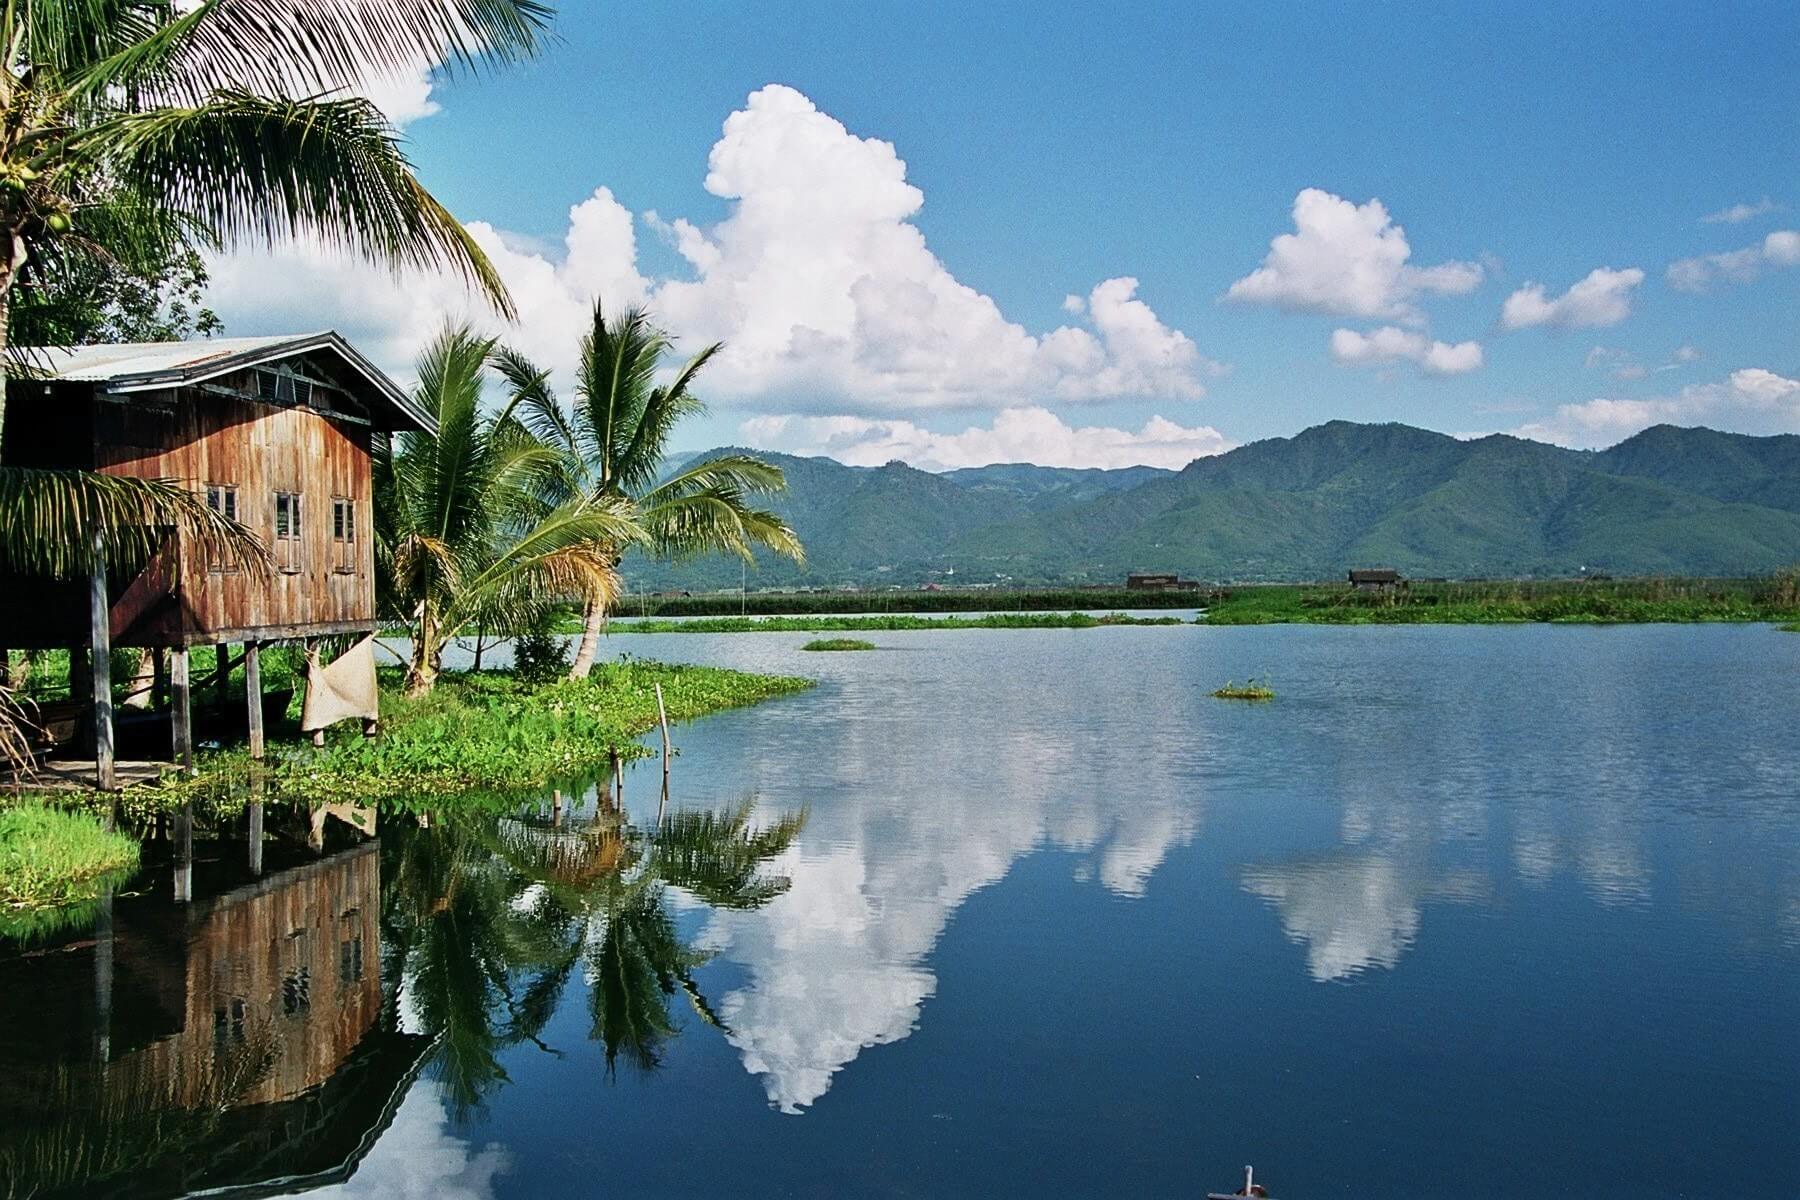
(893, 621)
(724, 604)
(485, 732)
(1569, 601)
(50, 856)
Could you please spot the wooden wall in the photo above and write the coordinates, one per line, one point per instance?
(215, 434)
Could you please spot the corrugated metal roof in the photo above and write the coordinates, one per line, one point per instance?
(105, 364)
(137, 366)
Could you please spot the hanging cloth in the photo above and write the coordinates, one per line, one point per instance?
(342, 690)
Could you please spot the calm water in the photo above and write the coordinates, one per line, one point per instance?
(1465, 912)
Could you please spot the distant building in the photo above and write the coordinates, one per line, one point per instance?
(1380, 579)
(1160, 583)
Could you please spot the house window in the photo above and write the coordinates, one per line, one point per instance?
(343, 535)
(222, 498)
(287, 531)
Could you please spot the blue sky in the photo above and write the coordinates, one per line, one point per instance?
(1059, 146)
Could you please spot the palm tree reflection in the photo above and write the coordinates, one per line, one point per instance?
(490, 919)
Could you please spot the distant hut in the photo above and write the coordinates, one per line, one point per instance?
(276, 432)
(1380, 579)
(1160, 583)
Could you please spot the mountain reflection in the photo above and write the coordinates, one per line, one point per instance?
(272, 1028)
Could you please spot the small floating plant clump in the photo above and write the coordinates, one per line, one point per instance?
(838, 644)
(1250, 689)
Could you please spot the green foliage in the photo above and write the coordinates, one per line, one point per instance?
(80, 299)
(50, 856)
(540, 654)
(1250, 689)
(481, 736)
(838, 644)
(1594, 601)
(1027, 620)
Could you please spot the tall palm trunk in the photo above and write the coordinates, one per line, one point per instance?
(593, 620)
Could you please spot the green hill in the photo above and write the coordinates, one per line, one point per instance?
(1669, 500)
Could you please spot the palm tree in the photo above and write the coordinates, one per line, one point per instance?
(616, 435)
(470, 524)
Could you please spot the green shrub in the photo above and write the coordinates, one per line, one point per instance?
(838, 644)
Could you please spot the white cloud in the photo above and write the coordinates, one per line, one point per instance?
(1348, 260)
(1738, 213)
(1602, 298)
(1391, 344)
(1779, 249)
(1687, 354)
(824, 292)
(1028, 434)
(1752, 400)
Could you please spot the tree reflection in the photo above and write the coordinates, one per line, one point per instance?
(490, 918)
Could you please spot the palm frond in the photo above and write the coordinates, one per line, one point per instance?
(60, 523)
(257, 170)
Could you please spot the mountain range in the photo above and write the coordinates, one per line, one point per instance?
(1667, 501)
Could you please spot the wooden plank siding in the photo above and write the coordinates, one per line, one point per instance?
(217, 433)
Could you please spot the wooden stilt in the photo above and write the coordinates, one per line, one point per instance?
(253, 822)
(184, 852)
(181, 709)
(253, 696)
(100, 656)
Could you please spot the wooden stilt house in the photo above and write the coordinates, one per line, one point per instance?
(276, 432)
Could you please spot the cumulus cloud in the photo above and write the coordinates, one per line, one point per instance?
(1348, 260)
(1745, 265)
(1603, 298)
(1025, 434)
(1738, 213)
(822, 288)
(1391, 344)
(1752, 400)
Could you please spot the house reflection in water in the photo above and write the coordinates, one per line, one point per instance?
(236, 1041)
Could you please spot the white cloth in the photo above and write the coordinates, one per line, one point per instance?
(342, 690)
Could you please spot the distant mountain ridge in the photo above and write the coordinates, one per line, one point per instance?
(1669, 500)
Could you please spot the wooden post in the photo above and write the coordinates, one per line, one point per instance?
(556, 807)
(181, 711)
(662, 715)
(184, 849)
(618, 774)
(253, 696)
(253, 831)
(159, 665)
(100, 656)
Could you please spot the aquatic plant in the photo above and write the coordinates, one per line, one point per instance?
(838, 644)
(1250, 689)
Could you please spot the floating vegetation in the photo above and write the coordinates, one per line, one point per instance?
(892, 621)
(1250, 689)
(838, 644)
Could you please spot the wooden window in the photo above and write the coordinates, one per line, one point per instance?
(343, 536)
(287, 531)
(280, 387)
(222, 498)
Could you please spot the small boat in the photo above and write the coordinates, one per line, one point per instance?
(1250, 1188)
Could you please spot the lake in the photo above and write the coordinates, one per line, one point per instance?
(1464, 912)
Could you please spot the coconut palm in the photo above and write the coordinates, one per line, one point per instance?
(470, 525)
(616, 434)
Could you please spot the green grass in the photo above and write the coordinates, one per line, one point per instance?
(51, 856)
(1563, 601)
(1248, 690)
(479, 733)
(1794, 628)
(803, 624)
(838, 644)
